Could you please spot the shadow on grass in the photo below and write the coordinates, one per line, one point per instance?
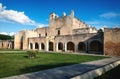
(43, 67)
(59, 73)
(26, 57)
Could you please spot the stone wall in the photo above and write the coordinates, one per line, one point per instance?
(82, 43)
(112, 41)
(63, 24)
(21, 39)
(18, 43)
(6, 44)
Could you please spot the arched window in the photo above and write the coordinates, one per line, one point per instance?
(82, 47)
(96, 46)
(8, 46)
(46, 34)
(58, 32)
(42, 46)
(51, 46)
(2, 44)
(36, 46)
(31, 46)
(70, 46)
(39, 35)
(60, 46)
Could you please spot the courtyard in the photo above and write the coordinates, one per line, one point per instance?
(18, 63)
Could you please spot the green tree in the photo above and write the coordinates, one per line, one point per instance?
(6, 37)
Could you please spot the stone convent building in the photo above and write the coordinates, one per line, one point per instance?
(69, 34)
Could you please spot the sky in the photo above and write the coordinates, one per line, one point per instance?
(16, 15)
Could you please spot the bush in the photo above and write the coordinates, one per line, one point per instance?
(32, 53)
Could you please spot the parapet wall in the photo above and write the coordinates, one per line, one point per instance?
(112, 41)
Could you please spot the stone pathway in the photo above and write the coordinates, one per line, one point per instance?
(67, 72)
(11, 51)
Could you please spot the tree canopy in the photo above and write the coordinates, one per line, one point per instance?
(6, 37)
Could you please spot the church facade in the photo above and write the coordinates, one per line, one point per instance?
(69, 34)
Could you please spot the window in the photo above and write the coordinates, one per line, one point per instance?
(45, 34)
(58, 32)
(39, 35)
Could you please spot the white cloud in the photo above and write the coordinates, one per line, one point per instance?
(14, 16)
(4, 33)
(2, 7)
(42, 25)
(12, 33)
(92, 22)
(110, 15)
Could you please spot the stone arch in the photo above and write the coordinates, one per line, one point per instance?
(70, 46)
(82, 47)
(2, 45)
(42, 46)
(21, 42)
(60, 46)
(51, 46)
(8, 46)
(96, 46)
(36, 45)
(31, 46)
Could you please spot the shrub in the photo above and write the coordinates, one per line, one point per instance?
(32, 53)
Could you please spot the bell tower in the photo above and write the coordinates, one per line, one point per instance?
(72, 14)
(53, 16)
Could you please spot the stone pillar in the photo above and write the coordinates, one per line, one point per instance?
(47, 47)
(65, 47)
(29, 46)
(40, 46)
(87, 47)
(56, 46)
(76, 48)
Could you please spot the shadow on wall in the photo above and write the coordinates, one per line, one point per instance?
(95, 44)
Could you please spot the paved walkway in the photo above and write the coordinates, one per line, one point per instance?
(2, 51)
(67, 72)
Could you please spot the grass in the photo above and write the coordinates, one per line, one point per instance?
(18, 63)
(112, 74)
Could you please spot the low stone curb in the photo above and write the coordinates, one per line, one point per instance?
(97, 72)
(87, 70)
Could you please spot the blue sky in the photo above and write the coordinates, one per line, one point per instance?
(16, 15)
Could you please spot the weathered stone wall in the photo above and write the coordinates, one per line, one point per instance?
(41, 31)
(64, 24)
(28, 34)
(78, 24)
(112, 41)
(21, 39)
(6, 44)
(87, 39)
(70, 43)
(18, 43)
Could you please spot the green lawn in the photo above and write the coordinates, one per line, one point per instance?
(18, 63)
(112, 74)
